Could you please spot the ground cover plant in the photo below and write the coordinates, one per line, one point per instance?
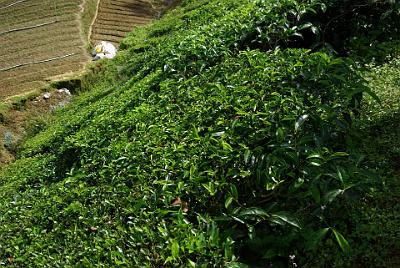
(219, 136)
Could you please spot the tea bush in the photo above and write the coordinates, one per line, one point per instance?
(211, 140)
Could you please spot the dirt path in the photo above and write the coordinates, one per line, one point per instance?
(93, 21)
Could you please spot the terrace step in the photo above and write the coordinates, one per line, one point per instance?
(37, 44)
(122, 18)
(115, 18)
(124, 28)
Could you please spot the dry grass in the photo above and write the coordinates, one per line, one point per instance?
(117, 17)
(24, 115)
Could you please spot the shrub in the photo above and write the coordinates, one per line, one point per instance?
(211, 140)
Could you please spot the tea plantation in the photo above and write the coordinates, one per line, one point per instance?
(226, 134)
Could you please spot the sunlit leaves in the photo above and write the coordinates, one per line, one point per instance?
(331, 195)
(300, 122)
(344, 245)
(284, 217)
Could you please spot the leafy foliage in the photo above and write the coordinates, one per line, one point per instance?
(211, 140)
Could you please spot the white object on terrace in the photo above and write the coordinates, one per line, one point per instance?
(104, 50)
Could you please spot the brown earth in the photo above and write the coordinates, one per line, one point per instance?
(32, 32)
(115, 18)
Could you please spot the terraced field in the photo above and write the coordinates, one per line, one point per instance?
(117, 17)
(40, 39)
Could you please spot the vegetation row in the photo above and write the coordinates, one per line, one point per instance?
(223, 134)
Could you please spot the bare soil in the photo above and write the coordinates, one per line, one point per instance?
(116, 18)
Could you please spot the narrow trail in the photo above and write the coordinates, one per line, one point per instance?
(94, 19)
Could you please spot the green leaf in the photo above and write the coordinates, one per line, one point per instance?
(315, 194)
(340, 174)
(228, 201)
(192, 171)
(316, 163)
(300, 122)
(314, 30)
(237, 265)
(340, 154)
(323, 7)
(211, 188)
(373, 95)
(271, 253)
(218, 134)
(285, 217)
(226, 146)
(247, 154)
(298, 34)
(174, 249)
(272, 185)
(280, 134)
(316, 238)
(344, 245)
(331, 195)
(169, 259)
(316, 155)
(234, 192)
(347, 187)
(192, 263)
(228, 251)
(253, 211)
(305, 26)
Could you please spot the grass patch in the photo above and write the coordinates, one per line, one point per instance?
(4, 108)
(374, 229)
(73, 84)
(87, 17)
(19, 101)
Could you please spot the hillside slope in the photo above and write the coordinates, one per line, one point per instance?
(217, 137)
